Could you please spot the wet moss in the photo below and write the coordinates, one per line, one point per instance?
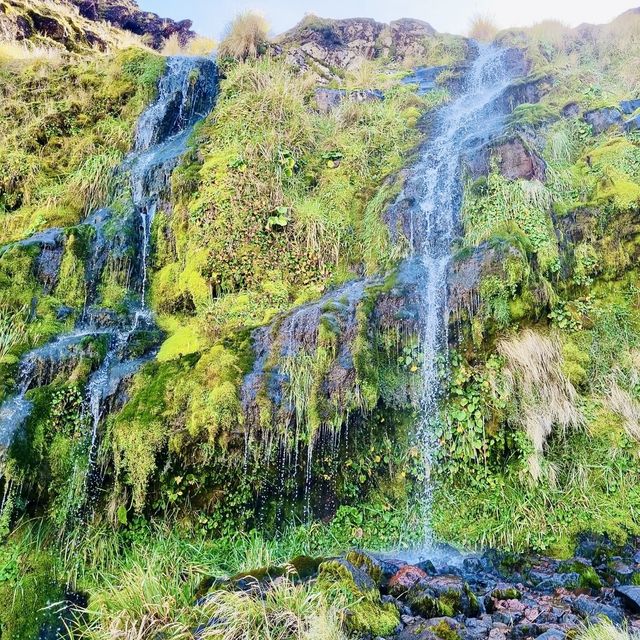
(367, 613)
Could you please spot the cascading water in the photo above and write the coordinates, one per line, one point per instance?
(186, 94)
(435, 186)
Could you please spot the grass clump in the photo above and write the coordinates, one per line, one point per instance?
(482, 28)
(245, 37)
(604, 630)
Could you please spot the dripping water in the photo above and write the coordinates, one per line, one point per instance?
(186, 93)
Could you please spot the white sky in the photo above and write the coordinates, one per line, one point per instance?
(211, 16)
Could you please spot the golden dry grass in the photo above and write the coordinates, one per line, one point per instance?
(546, 398)
(244, 36)
(482, 28)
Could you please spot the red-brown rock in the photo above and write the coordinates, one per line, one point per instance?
(406, 578)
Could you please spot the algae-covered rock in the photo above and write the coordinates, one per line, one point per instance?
(505, 591)
(446, 595)
(368, 563)
(366, 612)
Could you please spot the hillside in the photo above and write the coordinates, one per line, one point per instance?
(336, 336)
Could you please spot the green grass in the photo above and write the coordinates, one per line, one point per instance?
(63, 128)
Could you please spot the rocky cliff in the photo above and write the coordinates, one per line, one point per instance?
(329, 48)
(78, 24)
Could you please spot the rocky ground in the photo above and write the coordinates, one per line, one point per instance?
(494, 596)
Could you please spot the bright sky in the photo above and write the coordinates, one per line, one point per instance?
(453, 16)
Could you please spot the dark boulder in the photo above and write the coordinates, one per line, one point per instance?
(571, 110)
(603, 119)
(629, 106)
(591, 609)
(630, 597)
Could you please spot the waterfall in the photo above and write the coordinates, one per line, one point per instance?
(435, 186)
(186, 94)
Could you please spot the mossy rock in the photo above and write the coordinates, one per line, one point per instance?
(442, 596)
(506, 592)
(445, 629)
(366, 613)
(589, 579)
(367, 563)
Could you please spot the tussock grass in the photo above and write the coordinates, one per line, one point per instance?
(245, 36)
(605, 630)
(197, 46)
(547, 399)
(482, 28)
(21, 51)
(13, 330)
(285, 612)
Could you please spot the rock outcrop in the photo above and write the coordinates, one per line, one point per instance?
(329, 99)
(127, 15)
(327, 47)
(79, 24)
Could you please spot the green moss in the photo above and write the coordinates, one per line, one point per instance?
(443, 631)
(183, 341)
(530, 115)
(367, 613)
(27, 588)
(508, 593)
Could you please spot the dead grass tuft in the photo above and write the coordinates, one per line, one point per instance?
(482, 28)
(546, 398)
(245, 36)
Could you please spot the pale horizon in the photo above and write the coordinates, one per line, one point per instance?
(211, 18)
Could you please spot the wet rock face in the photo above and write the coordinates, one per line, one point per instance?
(517, 161)
(297, 335)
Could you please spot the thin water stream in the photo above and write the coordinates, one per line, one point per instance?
(186, 94)
(465, 125)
